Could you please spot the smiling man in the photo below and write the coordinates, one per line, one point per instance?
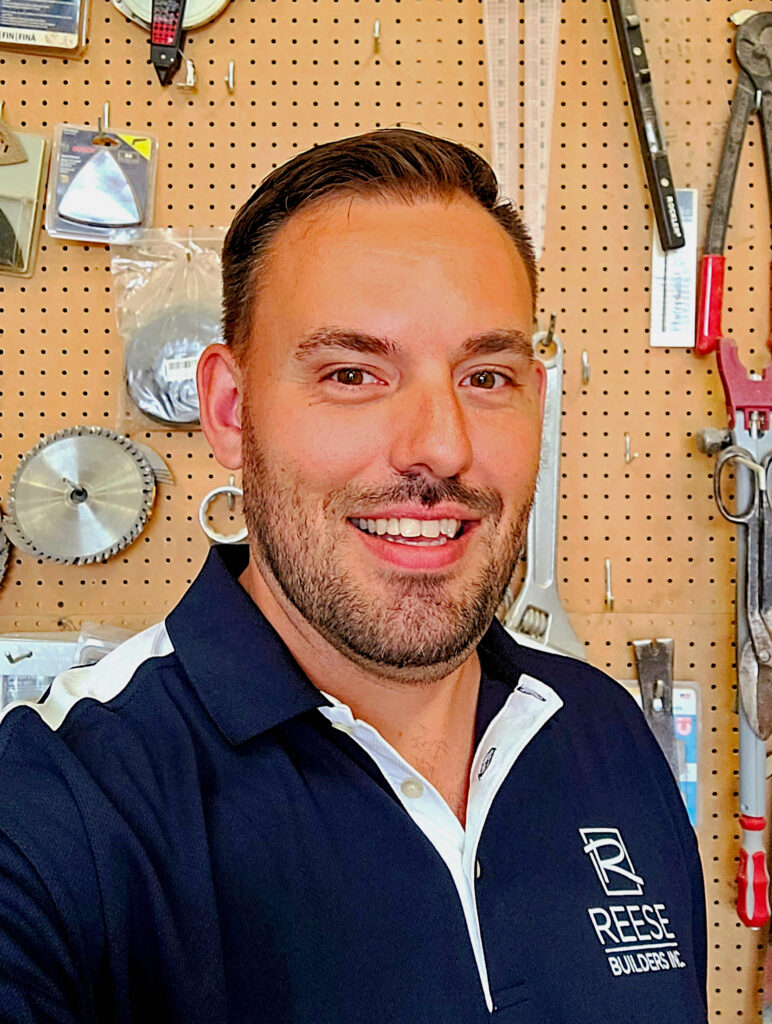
(329, 788)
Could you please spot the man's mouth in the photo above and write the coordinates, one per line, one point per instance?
(415, 532)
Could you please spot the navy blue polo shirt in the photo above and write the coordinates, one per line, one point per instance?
(186, 838)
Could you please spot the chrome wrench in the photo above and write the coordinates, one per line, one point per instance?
(537, 616)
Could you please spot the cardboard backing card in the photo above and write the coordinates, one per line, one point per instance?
(55, 27)
(21, 206)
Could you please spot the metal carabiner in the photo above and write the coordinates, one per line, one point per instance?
(759, 475)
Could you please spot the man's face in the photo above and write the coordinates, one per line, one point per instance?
(391, 413)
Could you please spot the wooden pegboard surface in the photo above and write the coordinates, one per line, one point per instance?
(306, 72)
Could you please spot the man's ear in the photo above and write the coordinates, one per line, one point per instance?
(219, 399)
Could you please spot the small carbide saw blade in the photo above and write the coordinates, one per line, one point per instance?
(4, 546)
(80, 495)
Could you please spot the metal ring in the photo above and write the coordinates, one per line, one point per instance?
(737, 454)
(220, 538)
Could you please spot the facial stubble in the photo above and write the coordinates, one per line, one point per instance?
(407, 627)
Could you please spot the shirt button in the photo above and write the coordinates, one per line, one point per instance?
(412, 788)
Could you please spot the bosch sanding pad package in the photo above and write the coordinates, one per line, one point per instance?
(167, 304)
(101, 185)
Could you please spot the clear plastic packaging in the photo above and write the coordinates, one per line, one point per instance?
(167, 289)
(102, 184)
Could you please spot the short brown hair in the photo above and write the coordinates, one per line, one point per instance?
(392, 162)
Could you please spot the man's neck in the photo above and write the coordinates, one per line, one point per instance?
(431, 724)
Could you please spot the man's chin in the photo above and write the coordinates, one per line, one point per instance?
(418, 664)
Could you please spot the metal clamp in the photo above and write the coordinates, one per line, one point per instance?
(213, 535)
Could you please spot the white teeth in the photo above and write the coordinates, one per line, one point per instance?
(417, 543)
(449, 527)
(409, 528)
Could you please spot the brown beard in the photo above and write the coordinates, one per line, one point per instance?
(420, 631)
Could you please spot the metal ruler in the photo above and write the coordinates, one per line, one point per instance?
(500, 19)
(542, 33)
(542, 21)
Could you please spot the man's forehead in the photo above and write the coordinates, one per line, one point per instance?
(378, 268)
(441, 224)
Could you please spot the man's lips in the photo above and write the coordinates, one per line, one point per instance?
(410, 542)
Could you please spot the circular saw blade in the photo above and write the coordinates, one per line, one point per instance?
(4, 551)
(196, 13)
(80, 495)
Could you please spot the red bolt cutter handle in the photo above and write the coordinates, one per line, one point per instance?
(752, 878)
(709, 302)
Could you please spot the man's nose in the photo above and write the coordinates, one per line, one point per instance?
(431, 432)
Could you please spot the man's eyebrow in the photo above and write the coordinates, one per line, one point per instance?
(489, 343)
(493, 342)
(354, 341)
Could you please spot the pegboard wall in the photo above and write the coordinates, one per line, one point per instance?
(307, 71)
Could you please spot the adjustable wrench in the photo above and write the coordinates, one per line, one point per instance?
(537, 616)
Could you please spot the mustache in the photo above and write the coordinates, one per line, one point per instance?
(418, 490)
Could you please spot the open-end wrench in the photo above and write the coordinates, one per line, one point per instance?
(537, 616)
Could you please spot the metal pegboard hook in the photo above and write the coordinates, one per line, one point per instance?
(630, 456)
(220, 538)
(609, 597)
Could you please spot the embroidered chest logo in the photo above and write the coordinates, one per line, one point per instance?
(636, 937)
(611, 861)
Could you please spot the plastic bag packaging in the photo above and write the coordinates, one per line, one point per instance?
(168, 291)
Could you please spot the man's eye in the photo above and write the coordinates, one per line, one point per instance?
(487, 379)
(352, 375)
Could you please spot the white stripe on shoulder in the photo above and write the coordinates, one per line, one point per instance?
(102, 681)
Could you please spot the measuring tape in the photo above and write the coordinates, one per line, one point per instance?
(542, 21)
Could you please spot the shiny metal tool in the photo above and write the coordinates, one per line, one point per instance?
(749, 407)
(654, 663)
(80, 495)
(755, 514)
(536, 615)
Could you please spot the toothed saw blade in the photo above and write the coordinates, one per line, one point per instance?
(4, 546)
(80, 495)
